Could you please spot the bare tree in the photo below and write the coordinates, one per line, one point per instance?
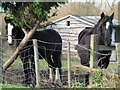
(112, 5)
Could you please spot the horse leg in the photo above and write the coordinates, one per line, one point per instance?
(51, 74)
(84, 56)
(86, 80)
(26, 67)
(57, 62)
(51, 68)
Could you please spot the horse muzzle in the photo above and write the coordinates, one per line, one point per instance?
(10, 40)
(108, 43)
(11, 44)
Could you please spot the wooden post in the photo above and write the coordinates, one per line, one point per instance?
(93, 50)
(118, 60)
(1, 61)
(36, 58)
(69, 65)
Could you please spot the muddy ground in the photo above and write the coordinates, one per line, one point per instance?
(16, 76)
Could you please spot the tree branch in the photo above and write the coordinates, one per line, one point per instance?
(26, 23)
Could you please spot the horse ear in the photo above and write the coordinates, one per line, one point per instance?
(112, 16)
(5, 18)
(102, 15)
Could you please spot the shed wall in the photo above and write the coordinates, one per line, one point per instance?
(69, 33)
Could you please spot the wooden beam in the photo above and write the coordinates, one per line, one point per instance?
(100, 47)
(91, 70)
(103, 47)
(118, 56)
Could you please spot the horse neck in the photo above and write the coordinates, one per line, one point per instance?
(97, 30)
(19, 34)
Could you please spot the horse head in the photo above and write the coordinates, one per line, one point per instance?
(105, 27)
(12, 31)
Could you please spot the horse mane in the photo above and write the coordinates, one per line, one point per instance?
(88, 31)
(95, 28)
(83, 34)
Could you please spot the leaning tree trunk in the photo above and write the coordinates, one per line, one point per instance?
(21, 45)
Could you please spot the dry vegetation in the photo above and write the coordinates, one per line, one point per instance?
(87, 9)
(82, 9)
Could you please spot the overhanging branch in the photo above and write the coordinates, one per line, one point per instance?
(21, 45)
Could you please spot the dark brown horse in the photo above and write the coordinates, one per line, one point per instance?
(104, 30)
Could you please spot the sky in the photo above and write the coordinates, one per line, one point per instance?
(60, 0)
(93, 0)
(97, 2)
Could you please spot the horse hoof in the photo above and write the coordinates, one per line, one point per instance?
(58, 83)
(25, 85)
(50, 82)
(28, 84)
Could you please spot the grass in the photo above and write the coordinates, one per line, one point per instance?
(11, 86)
(112, 65)
(43, 64)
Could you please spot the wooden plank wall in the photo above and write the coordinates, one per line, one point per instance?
(69, 33)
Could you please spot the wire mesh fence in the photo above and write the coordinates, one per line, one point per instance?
(15, 73)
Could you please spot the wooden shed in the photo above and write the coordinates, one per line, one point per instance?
(71, 25)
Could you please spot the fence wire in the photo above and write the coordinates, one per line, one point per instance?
(15, 73)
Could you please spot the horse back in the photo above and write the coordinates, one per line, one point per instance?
(84, 36)
(48, 35)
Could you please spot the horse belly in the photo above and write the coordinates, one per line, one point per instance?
(104, 59)
(45, 52)
(84, 57)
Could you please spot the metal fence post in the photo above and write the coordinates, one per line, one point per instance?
(36, 58)
(69, 66)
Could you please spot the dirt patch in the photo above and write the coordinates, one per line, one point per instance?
(16, 76)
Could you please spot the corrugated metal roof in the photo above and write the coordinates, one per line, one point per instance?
(89, 19)
(94, 19)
